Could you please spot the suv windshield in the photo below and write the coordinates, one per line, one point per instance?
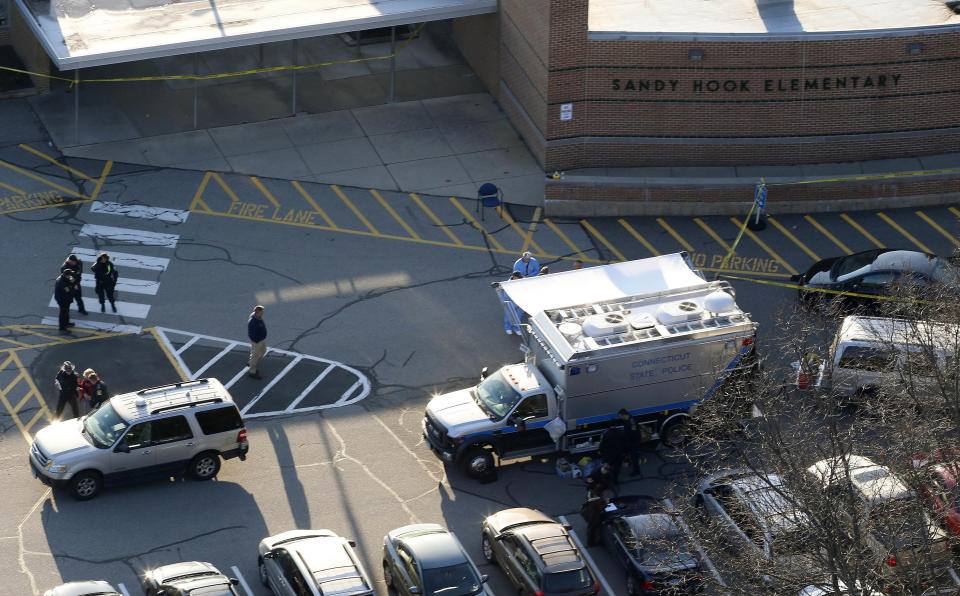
(497, 396)
(567, 581)
(453, 580)
(104, 426)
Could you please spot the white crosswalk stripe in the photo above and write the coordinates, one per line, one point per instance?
(124, 260)
(142, 211)
(129, 236)
(124, 309)
(124, 284)
(96, 325)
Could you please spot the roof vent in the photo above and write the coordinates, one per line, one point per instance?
(570, 329)
(608, 324)
(140, 402)
(641, 320)
(679, 312)
(719, 302)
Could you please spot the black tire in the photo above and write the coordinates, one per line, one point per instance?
(204, 466)
(388, 577)
(262, 572)
(676, 432)
(86, 485)
(478, 463)
(486, 547)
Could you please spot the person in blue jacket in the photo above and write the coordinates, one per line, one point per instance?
(257, 332)
(526, 265)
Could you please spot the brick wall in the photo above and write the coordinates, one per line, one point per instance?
(478, 38)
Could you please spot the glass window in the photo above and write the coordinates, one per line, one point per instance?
(497, 396)
(866, 358)
(535, 405)
(454, 580)
(138, 436)
(877, 280)
(567, 581)
(4, 14)
(104, 426)
(168, 430)
(219, 420)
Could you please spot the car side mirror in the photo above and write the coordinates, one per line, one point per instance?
(484, 578)
(484, 372)
(352, 543)
(122, 448)
(414, 590)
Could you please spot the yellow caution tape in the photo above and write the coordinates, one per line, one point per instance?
(222, 75)
(824, 290)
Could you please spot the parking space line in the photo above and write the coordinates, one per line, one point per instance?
(527, 239)
(586, 555)
(55, 162)
(596, 233)
(563, 237)
(937, 227)
(435, 219)
(33, 176)
(13, 188)
(184, 347)
(639, 238)
(9, 406)
(789, 235)
(310, 387)
(348, 392)
(272, 382)
(532, 228)
(306, 196)
(243, 582)
(954, 211)
(356, 211)
(216, 358)
(392, 212)
(476, 224)
(905, 233)
(860, 229)
(830, 236)
(764, 246)
(676, 236)
(713, 234)
(123, 589)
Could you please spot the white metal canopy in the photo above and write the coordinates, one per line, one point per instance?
(85, 33)
(601, 284)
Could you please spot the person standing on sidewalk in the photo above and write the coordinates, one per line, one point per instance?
(106, 275)
(257, 332)
(75, 267)
(68, 387)
(63, 292)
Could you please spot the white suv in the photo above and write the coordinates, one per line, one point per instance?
(152, 433)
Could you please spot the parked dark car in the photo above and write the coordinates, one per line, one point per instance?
(188, 579)
(653, 545)
(537, 554)
(428, 560)
(871, 274)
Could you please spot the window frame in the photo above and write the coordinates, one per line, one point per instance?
(5, 15)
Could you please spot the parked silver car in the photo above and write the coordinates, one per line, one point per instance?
(315, 562)
(85, 588)
(192, 578)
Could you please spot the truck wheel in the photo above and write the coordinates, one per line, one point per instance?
(675, 433)
(478, 463)
(205, 465)
(86, 485)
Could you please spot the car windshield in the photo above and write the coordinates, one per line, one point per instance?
(497, 396)
(847, 265)
(898, 525)
(567, 581)
(104, 426)
(658, 542)
(453, 580)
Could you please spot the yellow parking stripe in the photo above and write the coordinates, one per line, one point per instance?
(603, 240)
(7, 389)
(387, 206)
(435, 219)
(860, 229)
(833, 238)
(532, 228)
(639, 238)
(937, 227)
(526, 238)
(764, 246)
(356, 211)
(713, 234)
(72, 193)
(563, 237)
(166, 351)
(265, 192)
(306, 196)
(676, 236)
(103, 177)
(476, 224)
(787, 233)
(55, 162)
(954, 211)
(906, 234)
(13, 188)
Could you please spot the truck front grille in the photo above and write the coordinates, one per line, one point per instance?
(38, 455)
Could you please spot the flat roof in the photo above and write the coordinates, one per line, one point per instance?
(85, 33)
(766, 17)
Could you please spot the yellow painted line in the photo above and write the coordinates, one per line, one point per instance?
(764, 246)
(47, 206)
(526, 238)
(532, 228)
(13, 188)
(563, 237)
(14, 342)
(743, 271)
(356, 211)
(905, 233)
(10, 408)
(833, 238)
(196, 196)
(43, 155)
(7, 361)
(103, 177)
(954, 211)
(53, 338)
(16, 419)
(713, 234)
(233, 196)
(36, 416)
(163, 346)
(477, 225)
(435, 219)
(266, 193)
(639, 238)
(787, 233)
(33, 389)
(41, 179)
(676, 236)
(306, 196)
(860, 229)
(396, 216)
(937, 227)
(7, 389)
(600, 237)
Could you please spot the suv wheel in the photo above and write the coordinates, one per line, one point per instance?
(205, 465)
(487, 547)
(478, 463)
(86, 485)
(263, 572)
(387, 576)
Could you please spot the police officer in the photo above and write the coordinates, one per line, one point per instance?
(75, 267)
(68, 386)
(63, 293)
(106, 275)
(95, 388)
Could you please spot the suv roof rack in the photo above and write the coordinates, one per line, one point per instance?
(179, 385)
(192, 404)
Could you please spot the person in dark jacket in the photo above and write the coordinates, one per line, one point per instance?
(613, 448)
(106, 275)
(68, 386)
(257, 332)
(75, 267)
(63, 292)
(94, 389)
(637, 438)
(601, 480)
(592, 512)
